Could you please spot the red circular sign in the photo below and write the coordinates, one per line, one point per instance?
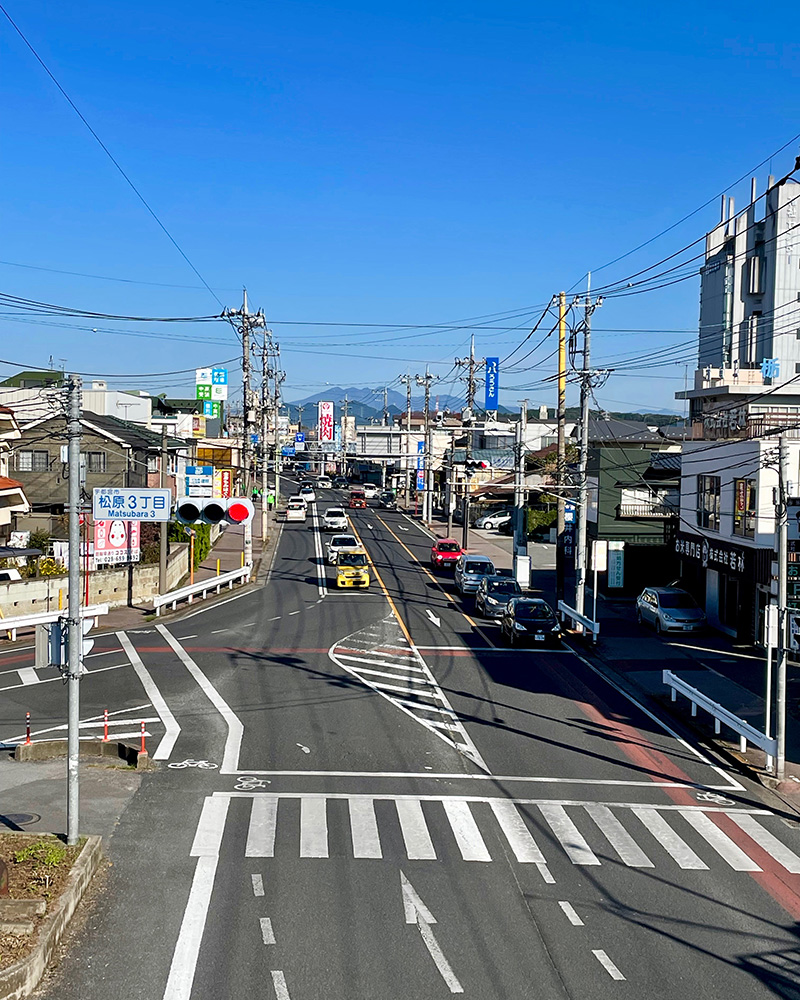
(238, 512)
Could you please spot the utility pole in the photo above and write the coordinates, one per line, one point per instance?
(561, 454)
(468, 417)
(583, 486)
(520, 527)
(278, 378)
(162, 528)
(300, 409)
(783, 613)
(406, 380)
(263, 442)
(425, 380)
(450, 486)
(385, 406)
(75, 633)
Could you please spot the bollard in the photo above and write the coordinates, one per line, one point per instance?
(143, 749)
(105, 725)
(217, 567)
(27, 729)
(242, 559)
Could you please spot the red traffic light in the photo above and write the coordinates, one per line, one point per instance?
(240, 510)
(214, 510)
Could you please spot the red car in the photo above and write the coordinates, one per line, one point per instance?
(445, 553)
(357, 499)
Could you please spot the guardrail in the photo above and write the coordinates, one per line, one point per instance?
(215, 583)
(567, 612)
(10, 625)
(747, 733)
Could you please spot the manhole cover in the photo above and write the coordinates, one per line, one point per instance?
(18, 819)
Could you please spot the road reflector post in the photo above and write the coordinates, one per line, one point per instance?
(217, 567)
(105, 725)
(27, 729)
(143, 747)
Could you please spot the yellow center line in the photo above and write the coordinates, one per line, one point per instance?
(430, 576)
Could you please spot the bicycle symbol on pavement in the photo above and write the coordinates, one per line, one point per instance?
(714, 797)
(204, 765)
(247, 782)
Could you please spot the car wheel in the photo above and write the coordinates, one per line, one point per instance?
(659, 629)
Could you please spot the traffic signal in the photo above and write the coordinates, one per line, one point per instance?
(474, 465)
(214, 510)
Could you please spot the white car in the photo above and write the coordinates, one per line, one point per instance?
(324, 483)
(298, 499)
(334, 519)
(295, 511)
(337, 544)
(308, 494)
(370, 490)
(494, 519)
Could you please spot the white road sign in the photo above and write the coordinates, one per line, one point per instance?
(116, 503)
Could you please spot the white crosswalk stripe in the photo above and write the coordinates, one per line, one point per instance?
(536, 831)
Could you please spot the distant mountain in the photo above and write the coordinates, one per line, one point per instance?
(365, 403)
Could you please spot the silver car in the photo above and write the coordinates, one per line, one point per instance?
(669, 609)
(334, 519)
(470, 570)
(494, 593)
(337, 544)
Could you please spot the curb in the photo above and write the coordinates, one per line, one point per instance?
(21, 978)
(49, 749)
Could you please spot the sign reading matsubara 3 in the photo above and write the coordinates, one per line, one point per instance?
(117, 503)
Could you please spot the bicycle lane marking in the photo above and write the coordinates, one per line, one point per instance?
(171, 728)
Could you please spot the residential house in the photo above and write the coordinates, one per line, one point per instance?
(13, 500)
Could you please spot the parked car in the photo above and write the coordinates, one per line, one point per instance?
(493, 519)
(669, 609)
(357, 499)
(337, 544)
(388, 500)
(541, 533)
(370, 490)
(530, 619)
(352, 568)
(469, 570)
(9, 575)
(445, 553)
(340, 483)
(308, 494)
(334, 519)
(494, 593)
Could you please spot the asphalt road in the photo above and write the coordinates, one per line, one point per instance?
(393, 805)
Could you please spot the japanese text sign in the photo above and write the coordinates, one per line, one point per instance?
(326, 434)
(116, 503)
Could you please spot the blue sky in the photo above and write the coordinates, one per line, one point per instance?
(374, 163)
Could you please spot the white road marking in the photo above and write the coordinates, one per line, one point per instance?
(364, 828)
(578, 851)
(416, 912)
(721, 842)
(669, 840)
(465, 830)
(619, 838)
(171, 728)
(217, 631)
(258, 885)
(261, 832)
(436, 621)
(519, 837)
(607, 964)
(425, 531)
(233, 743)
(547, 877)
(569, 912)
(402, 527)
(28, 675)
(304, 748)
(184, 959)
(279, 982)
(180, 638)
(413, 906)
(267, 934)
(277, 618)
(767, 841)
(419, 845)
(313, 828)
(293, 613)
(322, 579)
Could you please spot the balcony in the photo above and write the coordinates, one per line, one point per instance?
(656, 510)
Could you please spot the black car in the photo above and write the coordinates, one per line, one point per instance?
(340, 483)
(388, 500)
(530, 620)
(494, 593)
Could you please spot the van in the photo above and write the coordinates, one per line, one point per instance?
(470, 570)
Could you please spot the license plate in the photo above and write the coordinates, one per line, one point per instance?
(688, 628)
(539, 638)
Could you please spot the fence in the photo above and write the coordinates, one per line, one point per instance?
(214, 583)
(11, 625)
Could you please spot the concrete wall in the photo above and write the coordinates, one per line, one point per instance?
(135, 584)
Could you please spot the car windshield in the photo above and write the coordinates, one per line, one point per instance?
(357, 495)
(357, 559)
(533, 612)
(343, 541)
(334, 512)
(504, 587)
(449, 547)
(479, 568)
(682, 602)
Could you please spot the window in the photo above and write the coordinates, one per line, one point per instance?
(708, 502)
(96, 461)
(744, 507)
(33, 461)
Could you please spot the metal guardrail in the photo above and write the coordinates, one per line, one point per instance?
(215, 583)
(747, 733)
(10, 625)
(567, 612)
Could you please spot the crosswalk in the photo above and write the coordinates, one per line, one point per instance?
(430, 828)
(381, 658)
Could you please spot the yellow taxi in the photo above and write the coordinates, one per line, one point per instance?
(352, 568)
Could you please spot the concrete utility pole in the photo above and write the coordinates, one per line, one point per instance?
(450, 486)
(300, 418)
(265, 400)
(162, 528)
(783, 613)
(561, 453)
(468, 417)
(406, 380)
(75, 630)
(385, 406)
(279, 378)
(425, 380)
(520, 527)
(583, 487)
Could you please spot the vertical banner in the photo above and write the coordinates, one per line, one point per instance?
(492, 383)
(420, 466)
(325, 431)
(616, 564)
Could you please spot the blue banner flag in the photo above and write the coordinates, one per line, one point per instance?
(492, 383)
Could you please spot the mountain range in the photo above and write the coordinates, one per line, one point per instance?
(366, 404)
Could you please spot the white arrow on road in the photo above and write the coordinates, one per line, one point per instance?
(436, 621)
(370, 527)
(416, 912)
(400, 526)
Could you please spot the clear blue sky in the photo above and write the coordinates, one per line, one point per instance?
(413, 163)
